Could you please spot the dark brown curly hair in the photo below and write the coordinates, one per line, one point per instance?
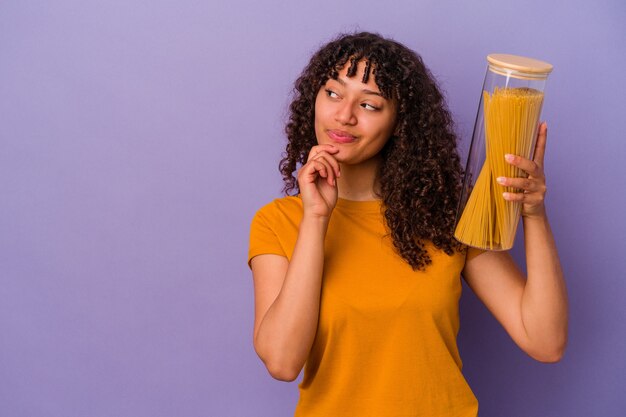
(420, 175)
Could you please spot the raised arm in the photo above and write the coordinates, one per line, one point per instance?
(533, 310)
(287, 294)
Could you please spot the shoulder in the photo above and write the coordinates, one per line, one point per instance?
(274, 228)
(471, 253)
(289, 206)
(279, 214)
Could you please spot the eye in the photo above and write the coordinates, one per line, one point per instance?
(331, 93)
(368, 106)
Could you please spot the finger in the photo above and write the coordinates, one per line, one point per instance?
(525, 184)
(325, 170)
(319, 148)
(312, 169)
(525, 164)
(311, 172)
(331, 160)
(526, 198)
(514, 196)
(540, 147)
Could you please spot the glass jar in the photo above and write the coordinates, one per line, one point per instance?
(506, 123)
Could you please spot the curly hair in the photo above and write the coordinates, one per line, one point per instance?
(420, 175)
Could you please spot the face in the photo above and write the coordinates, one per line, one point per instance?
(353, 116)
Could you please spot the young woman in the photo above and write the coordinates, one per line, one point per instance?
(357, 276)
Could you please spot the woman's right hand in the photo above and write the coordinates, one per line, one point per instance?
(317, 180)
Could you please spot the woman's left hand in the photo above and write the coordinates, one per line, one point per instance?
(534, 186)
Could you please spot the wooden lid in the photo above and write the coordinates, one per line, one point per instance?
(515, 66)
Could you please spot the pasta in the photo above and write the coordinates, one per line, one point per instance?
(510, 117)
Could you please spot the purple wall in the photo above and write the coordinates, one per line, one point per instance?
(137, 139)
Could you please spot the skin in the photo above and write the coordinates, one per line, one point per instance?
(532, 309)
(352, 124)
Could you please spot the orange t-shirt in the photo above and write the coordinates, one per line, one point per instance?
(386, 337)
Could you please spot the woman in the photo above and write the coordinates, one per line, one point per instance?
(358, 276)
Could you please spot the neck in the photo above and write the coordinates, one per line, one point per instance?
(358, 182)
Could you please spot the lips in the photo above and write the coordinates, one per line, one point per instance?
(340, 136)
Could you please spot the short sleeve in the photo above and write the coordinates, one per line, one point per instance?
(263, 238)
(473, 252)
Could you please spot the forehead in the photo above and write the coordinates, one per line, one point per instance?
(362, 72)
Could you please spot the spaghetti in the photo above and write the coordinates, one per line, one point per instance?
(511, 116)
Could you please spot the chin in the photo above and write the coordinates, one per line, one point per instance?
(342, 156)
(347, 159)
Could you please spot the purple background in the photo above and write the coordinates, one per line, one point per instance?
(138, 138)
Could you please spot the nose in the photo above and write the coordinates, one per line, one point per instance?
(345, 113)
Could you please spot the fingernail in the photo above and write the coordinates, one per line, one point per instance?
(501, 180)
(509, 157)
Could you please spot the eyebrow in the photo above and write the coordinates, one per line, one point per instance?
(365, 90)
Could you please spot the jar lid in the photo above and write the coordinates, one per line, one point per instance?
(518, 66)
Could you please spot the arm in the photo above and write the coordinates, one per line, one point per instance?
(533, 310)
(287, 293)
